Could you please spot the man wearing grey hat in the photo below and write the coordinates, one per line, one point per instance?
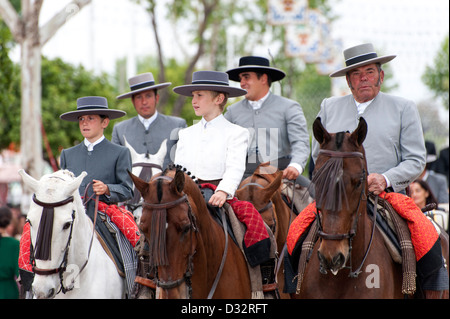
(394, 145)
(107, 165)
(146, 131)
(277, 125)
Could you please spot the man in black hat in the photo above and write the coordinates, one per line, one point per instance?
(146, 131)
(277, 125)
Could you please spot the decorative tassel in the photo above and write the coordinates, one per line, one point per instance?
(44, 236)
(158, 251)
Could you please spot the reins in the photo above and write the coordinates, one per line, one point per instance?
(190, 266)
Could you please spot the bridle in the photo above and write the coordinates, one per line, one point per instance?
(146, 175)
(63, 266)
(194, 230)
(269, 204)
(265, 208)
(351, 234)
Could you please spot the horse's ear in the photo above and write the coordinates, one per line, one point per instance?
(359, 135)
(134, 154)
(161, 154)
(320, 133)
(177, 184)
(141, 185)
(75, 184)
(29, 181)
(270, 189)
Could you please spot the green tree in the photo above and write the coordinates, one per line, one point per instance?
(436, 77)
(9, 93)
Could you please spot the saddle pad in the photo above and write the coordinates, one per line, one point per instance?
(249, 216)
(123, 219)
(423, 233)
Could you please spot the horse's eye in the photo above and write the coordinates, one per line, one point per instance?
(67, 225)
(186, 229)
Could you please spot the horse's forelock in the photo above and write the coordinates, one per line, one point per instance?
(329, 180)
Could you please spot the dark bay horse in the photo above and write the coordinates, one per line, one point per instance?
(187, 245)
(345, 230)
(263, 190)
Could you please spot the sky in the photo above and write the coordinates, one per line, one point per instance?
(107, 30)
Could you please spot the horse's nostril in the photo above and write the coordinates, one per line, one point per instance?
(338, 261)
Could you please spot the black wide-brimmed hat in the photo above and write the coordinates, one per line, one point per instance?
(209, 81)
(142, 82)
(96, 105)
(255, 64)
(361, 55)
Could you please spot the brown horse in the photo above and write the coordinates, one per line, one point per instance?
(353, 261)
(187, 246)
(263, 190)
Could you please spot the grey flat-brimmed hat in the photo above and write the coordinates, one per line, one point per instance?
(255, 64)
(142, 82)
(209, 81)
(97, 105)
(360, 55)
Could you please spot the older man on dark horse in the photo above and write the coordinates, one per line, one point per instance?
(394, 145)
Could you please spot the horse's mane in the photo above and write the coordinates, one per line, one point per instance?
(191, 184)
(328, 179)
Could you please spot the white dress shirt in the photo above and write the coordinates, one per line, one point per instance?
(90, 146)
(214, 150)
(361, 107)
(149, 121)
(257, 104)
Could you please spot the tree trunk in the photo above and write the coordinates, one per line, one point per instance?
(207, 11)
(30, 134)
(26, 32)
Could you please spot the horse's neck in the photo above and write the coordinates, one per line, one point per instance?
(82, 234)
(283, 215)
(363, 232)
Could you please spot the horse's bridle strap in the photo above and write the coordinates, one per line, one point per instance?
(47, 272)
(52, 205)
(167, 205)
(326, 236)
(151, 165)
(341, 154)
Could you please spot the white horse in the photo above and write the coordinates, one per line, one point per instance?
(154, 165)
(76, 265)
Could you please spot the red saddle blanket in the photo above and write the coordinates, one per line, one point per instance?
(423, 233)
(121, 217)
(249, 216)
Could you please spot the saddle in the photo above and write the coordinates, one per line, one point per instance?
(259, 250)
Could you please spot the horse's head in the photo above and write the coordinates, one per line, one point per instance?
(145, 158)
(340, 189)
(259, 189)
(145, 166)
(51, 217)
(169, 226)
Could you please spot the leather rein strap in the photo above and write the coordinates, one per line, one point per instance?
(175, 283)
